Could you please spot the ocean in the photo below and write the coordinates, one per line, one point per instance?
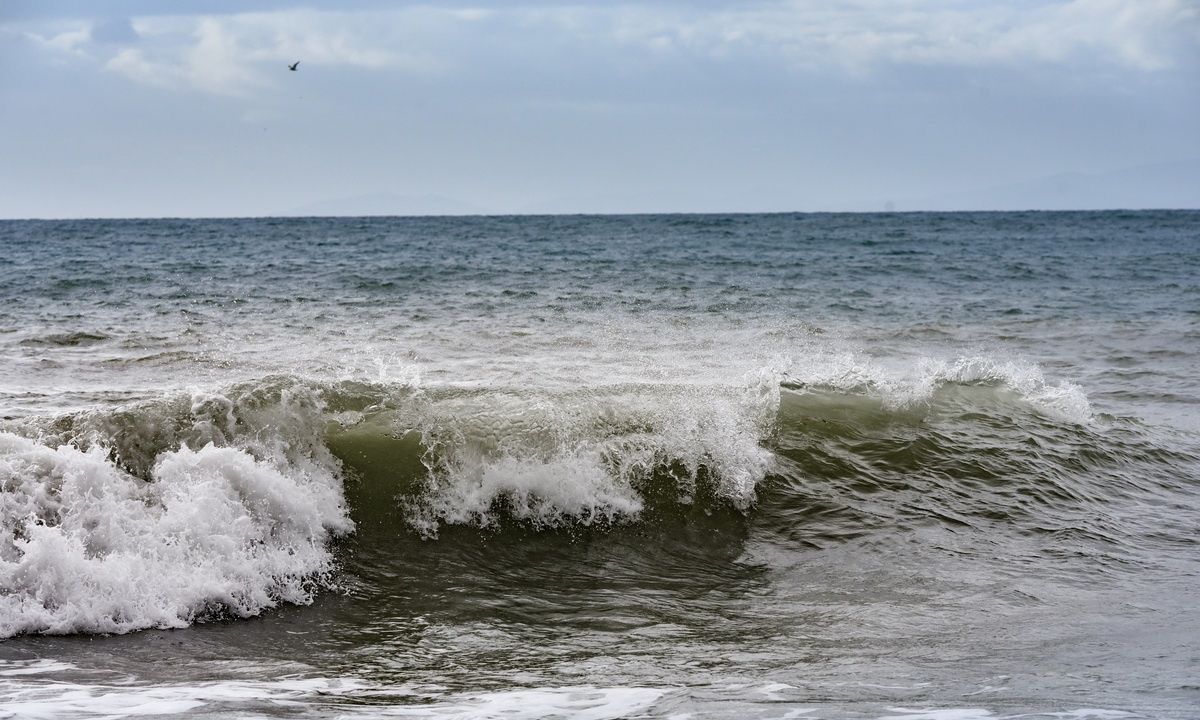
(912, 466)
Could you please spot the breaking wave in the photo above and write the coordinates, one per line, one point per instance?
(210, 504)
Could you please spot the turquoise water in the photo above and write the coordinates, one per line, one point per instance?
(841, 466)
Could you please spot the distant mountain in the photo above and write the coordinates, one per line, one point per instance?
(1173, 185)
(385, 204)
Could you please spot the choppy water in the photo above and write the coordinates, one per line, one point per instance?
(820, 466)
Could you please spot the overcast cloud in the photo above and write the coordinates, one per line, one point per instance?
(553, 106)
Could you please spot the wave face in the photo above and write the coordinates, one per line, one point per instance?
(160, 513)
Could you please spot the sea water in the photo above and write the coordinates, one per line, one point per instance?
(940, 466)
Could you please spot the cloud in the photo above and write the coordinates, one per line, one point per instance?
(132, 63)
(208, 62)
(229, 53)
(858, 36)
(215, 63)
(71, 41)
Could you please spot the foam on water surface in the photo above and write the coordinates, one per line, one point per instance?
(90, 548)
(349, 697)
(237, 698)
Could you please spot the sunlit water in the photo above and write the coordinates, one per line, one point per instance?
(817, 466)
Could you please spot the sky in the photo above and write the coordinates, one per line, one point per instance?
(132, 108)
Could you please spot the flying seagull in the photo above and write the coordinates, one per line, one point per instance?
(294, 65)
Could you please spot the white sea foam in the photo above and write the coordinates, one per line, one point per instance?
(1064, 399)
(9, 668)
(940, 714)
(586, 457)
(580, 703)
(541, 491)
(915, 382)
(302, 696)
(88, 547)
(982, 714)
(73, 700)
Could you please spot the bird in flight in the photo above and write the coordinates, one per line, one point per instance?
(294, 65)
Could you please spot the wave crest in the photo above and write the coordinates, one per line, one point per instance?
(593, 456)
(919, 384)
(112, 521)
(89, 547)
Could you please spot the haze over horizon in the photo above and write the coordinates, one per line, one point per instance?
(136, 110)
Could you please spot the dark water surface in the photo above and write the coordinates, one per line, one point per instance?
(940, 466)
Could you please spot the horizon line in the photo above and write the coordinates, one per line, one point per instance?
(594, 214)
